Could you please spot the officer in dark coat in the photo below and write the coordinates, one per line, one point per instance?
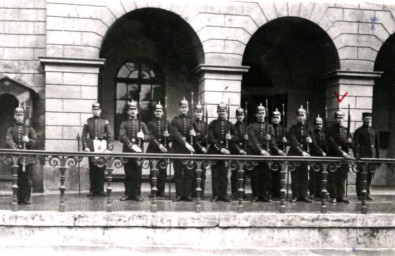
(298, 138)
(97, 136)
(18, 135)
(199, 144)
(132, 134)
(241, 133)
(181, 130)
(259, 137)
(280, 142)
(221, 136)
(319, 148)
(338, 144)
(159, 143)
(366, 144)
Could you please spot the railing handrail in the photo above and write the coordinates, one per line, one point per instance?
(194, 156)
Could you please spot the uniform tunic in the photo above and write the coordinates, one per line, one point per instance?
(156, 128)
(14, 141)
(366, 145)
(96, 128)
(337, 143)
(217, 131)
(179, 129)
(319, 147)
(128, 136)
(260, 175)
(297, 136)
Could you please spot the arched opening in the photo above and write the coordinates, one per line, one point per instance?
(383, 99)
(286, 56)
(149, 51)
(8, 103)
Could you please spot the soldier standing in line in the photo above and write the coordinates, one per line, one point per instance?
(279, 144)
(320, 148)
(159, 135)
(338, 144)
(241, 133)
(97, 136)
(181, 132)
(200, 128)
(221, 136)
(132, 134)
(366, 145)
(299, 138)
(22, 136)
(260, 136)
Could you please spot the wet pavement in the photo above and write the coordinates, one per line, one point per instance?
(383, 203)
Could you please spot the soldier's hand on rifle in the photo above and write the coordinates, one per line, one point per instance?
(268, 137)
(25, 139)
(140, 135)
(281, 153)
(225, 151)
(107, 151)
(305, 153)
(189, 147)
(204, 150)
(245, 136)
(309, 140)
(192, 133)
(228, 137)
(87, 149)
(136, 148)
(162, 148)
(349, 140)
(284, 140)
(345, 155)
(242, 152)
(265, 153)
(323, 154)
(166, 134)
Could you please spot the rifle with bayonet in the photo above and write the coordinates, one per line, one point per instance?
(266, 126)
(206, 117)
(245, 130)
(192, 131)
(307, 125)
(284, 129)
(227, 125)
(139, 140)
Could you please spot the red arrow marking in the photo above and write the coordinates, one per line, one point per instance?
(342, 98)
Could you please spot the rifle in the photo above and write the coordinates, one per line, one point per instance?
(227, 125)
(140, 142)
(206, 117)
(284, 127)
(266, 125)
(347, 145)
(191, 131)
(79, 165)
(246, 125)
(25, 132)
(307, 125)
(165, 142)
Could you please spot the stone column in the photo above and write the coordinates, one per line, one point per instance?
(71, 87)
(219, 83)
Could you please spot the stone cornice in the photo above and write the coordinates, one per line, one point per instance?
(221, 69)
(71, 61)
(351, 74)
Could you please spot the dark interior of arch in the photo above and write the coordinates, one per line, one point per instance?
(386, 55)
(156, 34)
(289, 51)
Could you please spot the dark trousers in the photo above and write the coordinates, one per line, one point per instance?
(337, 181)
(260, 181)
(276, 183)
(132, 178)
(183, 179)
(219, 179)
(162, 175)
(24, 183)
(315, 183)
(96, 178)
(300, 181)
(202, 184)
(234, 182)
(359, 182)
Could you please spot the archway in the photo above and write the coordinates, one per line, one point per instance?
(286, 57)
(154, 42)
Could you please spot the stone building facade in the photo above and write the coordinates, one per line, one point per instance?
(60, 56)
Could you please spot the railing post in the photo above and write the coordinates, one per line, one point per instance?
(284, 170)
(14, 203)
(240, 179)
(324, 182)
(199, 171)
(62, 188)
(154, 181)
(109, 188)
(364, 168)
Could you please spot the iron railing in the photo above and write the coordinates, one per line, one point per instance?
(239, 163)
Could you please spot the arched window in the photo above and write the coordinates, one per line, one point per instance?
(137, 79)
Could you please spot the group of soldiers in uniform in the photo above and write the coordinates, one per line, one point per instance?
(194, 135)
